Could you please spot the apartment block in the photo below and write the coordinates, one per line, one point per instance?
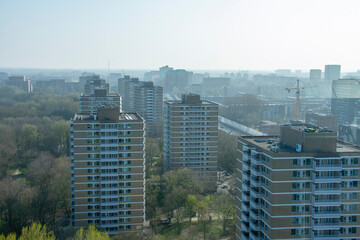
(90, 82)
(191, 136)
(127, 90)
(149, 104)
(89, 103)
(145, 99)
(301, 185)
(108, 170)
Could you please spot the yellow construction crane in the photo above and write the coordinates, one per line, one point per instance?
(297, 93)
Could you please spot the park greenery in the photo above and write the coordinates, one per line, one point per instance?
(35, 179)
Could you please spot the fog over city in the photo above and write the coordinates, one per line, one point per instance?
(167, 120)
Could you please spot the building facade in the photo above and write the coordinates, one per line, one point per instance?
(191, 136)
(107, 171)
(345, 101)
(149, 104)
(303, 185)
(332, 72)
(90, 103)
(143, 98)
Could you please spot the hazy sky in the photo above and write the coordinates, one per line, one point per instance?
(194, 34)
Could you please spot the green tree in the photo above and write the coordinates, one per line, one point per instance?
(15, 201)
(190, 206)
(36, 232)
(11, 236)
(90, 234)
(29, 137)
(204, 217)
(224, 208)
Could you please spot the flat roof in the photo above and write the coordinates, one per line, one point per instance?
(265, 143)
(122, 117)
(179, 102)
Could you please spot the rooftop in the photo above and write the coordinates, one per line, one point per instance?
(122, 117)
(270, 143)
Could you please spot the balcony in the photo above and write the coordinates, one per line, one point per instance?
(254, 236)
(318, 226)
(327, 190)
(326, 213)
(255, 171)
(245, 198)
(326, 202)
(325, 236)
(255, 182)
(244, 217)
(254, 215)
(245, 167)
(245, 207)
(245, 187)
(326, 179)
(255, 160)
(245, 177)
(244, 227)
(255, 194)
(329, 166)
(254, 204)
(254, 226)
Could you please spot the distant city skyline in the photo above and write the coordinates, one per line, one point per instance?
(244, 35)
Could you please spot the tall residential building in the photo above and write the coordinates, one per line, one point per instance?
(332, 72)
(315, 75)
(90, 82)
(191, 136)
(345, 101)
(149, 104)
(143, 98)
(127, 90)
(177, 79)
(108, 171)
(90, 103)
(303, 185)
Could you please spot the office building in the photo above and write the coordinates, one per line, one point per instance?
(345, 101)
(191, 136)
(107, 170)
(301, 185)
(332, 72)
(20, 82)
(145, 99)
(315, 75)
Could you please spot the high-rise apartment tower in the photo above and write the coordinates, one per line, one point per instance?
(303, 185)
(191, 136)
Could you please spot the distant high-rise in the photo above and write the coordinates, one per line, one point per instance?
(127, 90)
(89, 82)
(304, 185)
(90, 103)
(177, 79)
(345, 101)
(149, 104)
(332, 72)
(191, 136)
(315, 75)
(143, 98)
(20, 82)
